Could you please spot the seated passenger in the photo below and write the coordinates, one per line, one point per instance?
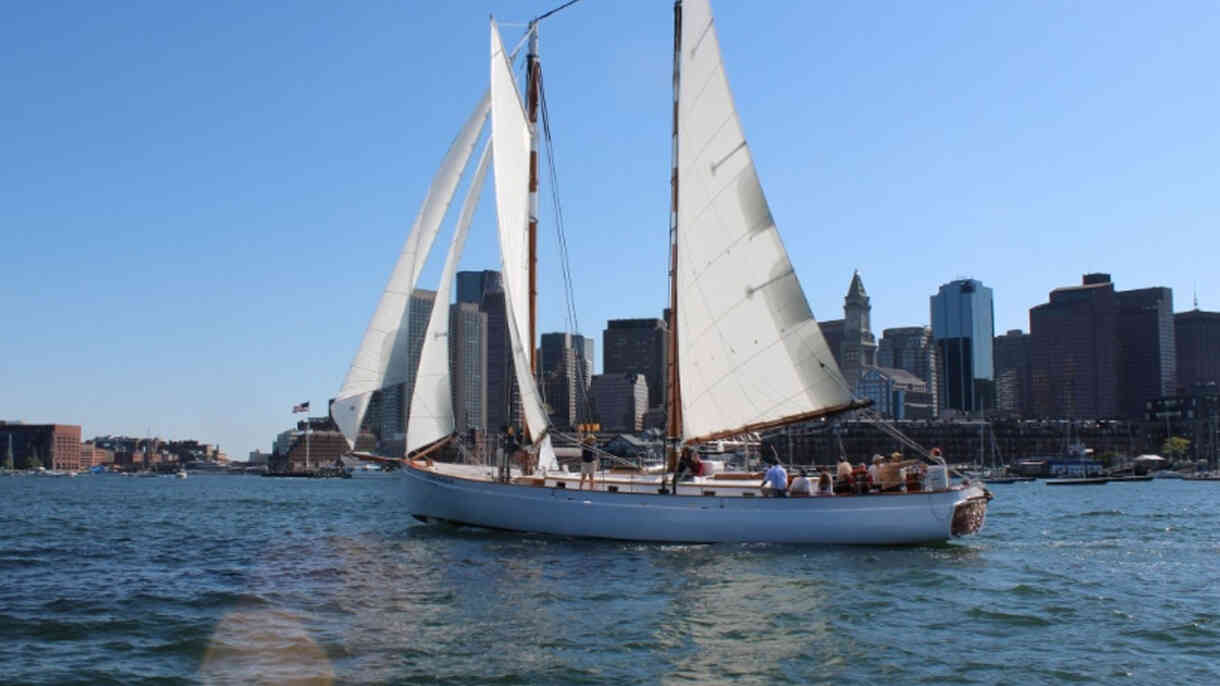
(800, 486)
(825, 484)
(860, 479)
(844, 471)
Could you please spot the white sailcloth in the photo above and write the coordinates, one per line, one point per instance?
(382, 357)
(431, 414)
(750, 352)
(510, 137)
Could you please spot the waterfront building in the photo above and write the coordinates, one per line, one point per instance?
(468, 365)
(1013, 378)
(52, 446)
(912, 349)
(620, 400)
(1097, 352)
(963, 326)
(637, 346)
(851, 339)
(93, 455)
(895, 393)
(859, 346)
(1197, 337)
(1147, 353)
(1074, 350)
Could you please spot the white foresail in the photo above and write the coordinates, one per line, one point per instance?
(510, 136)
(749, 350)
(431, 414)
(382, 358)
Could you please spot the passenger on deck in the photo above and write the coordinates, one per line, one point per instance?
(893, 473)
(843, 482)
(874, 470)
(825, 484)
(775, 481)
(688, 465)
(843, 473)
(588, 463)
(800, 486)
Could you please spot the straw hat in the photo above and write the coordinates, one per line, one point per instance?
(896, 455)
(589, 439)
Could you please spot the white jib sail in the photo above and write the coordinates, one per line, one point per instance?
(431, 414)
(510, 136)
(382, 357)
(749, 350)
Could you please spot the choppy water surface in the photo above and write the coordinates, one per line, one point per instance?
(243, 579)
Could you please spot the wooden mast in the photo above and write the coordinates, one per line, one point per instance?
(673, 396)
(533, 74)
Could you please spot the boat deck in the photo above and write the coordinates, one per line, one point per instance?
(732, 484)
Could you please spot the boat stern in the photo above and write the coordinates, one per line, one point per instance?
(970, 511)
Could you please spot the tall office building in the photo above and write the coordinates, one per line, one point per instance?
(1147, 354)
(1197, 336)
(911, 349)
(620, 400)
(1074, 350)
(472, 286)
(963, 326)
(1013, 378)
(564, 377)
(1098, 352)
(395, 401)
(637, 346)
(468, 365)
(486, 288)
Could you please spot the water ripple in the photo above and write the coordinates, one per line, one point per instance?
(221, 580)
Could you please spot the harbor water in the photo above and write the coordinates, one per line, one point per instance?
(220, 579)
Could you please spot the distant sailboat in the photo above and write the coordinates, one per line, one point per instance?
(746, 352)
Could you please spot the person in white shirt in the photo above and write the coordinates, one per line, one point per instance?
(874, 473)
(777, 478)
(800, 486)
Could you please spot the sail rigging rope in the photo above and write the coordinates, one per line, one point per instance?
(561, 237)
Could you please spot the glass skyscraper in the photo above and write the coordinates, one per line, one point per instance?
(963, 327)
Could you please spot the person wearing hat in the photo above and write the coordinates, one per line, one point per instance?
(874, 474)
(588, 463)
(892, 473)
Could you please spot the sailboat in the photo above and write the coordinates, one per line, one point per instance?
(746, 354)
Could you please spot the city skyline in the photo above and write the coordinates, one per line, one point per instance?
(204, 249)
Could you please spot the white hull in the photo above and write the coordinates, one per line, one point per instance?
(870, 519)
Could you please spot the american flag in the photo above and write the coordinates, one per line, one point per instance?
(303, 407)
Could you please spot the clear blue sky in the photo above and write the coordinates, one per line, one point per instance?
(200, 202)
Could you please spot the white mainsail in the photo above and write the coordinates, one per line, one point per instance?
(382, 357)
(431, 413)
(749, 351)
(510, 136)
